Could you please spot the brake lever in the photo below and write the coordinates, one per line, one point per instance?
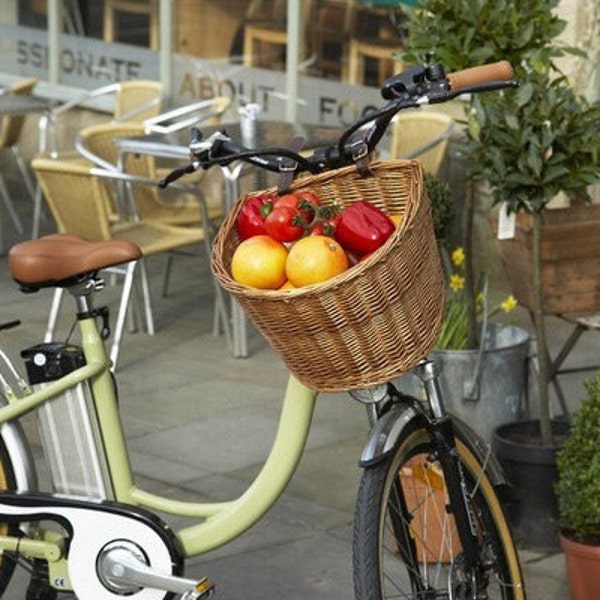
(176, 174)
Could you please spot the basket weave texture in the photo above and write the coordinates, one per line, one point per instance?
(376, 320)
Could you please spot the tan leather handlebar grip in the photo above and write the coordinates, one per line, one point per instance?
(500, 71)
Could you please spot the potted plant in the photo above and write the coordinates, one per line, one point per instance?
(578, 491)
(527, 145)
(474, 379)
(530, 146)
(466, 33)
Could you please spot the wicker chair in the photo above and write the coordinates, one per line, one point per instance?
(265, 28)
(96, 143)
(423, 135)
(133, 101)
(10, 134)
(78, 198)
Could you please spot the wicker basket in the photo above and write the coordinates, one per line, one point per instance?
(376, 320)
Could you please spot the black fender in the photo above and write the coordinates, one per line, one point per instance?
(389, 428)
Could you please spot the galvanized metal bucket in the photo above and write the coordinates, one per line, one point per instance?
(485, 387)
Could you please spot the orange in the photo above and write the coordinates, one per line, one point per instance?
(259, 262)
(287, 286)
(396, 218)
(314, 259)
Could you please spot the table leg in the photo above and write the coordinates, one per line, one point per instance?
(238, 318)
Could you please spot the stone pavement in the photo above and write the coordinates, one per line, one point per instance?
(199, 424)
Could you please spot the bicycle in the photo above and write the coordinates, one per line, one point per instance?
(106, 542)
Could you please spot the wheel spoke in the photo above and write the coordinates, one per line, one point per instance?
(418, 547)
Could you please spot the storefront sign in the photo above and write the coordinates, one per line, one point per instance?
(84, 62)
(320, 101)
(89, 63)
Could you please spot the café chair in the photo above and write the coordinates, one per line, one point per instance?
(180, 204)
(381, 51)
(78, 197)
(376, 36)
(11, 127)
(133, 101)
(580, 323)
(332, 26)
(207, 112)
(423, 135)
(265, 32)
(113, 9)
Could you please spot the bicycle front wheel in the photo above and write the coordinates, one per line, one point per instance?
(405, 541)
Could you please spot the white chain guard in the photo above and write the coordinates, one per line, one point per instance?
(92, 527)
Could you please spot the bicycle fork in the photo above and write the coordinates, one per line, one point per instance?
(442, 431)
(391, 413)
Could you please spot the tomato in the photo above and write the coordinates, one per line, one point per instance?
(325, 225)
(259, 262)
(251, 218)
(285, 224)
(307, 201)
(315, 259)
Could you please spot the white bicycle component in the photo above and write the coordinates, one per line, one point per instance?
(95, 529)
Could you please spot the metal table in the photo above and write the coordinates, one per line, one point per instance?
(253, 134)
(22, 104)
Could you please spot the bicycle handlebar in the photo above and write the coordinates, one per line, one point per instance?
(417, 86)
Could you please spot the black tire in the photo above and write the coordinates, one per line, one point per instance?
(7, 482)
(400, 504)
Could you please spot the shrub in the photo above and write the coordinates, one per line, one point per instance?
(578, 487)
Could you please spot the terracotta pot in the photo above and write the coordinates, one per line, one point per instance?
(429, 536)
(583, 569)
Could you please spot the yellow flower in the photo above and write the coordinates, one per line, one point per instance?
(458, 257)
(509, 304)
(457, 283)
(479, 300)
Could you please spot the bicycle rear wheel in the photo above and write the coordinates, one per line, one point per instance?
(405, 541)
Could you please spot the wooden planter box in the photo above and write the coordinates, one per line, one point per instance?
(570, 259)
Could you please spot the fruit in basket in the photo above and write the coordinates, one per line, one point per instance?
(396, 218)
(292, 216)
(363, 228)
(326, 220)
(285, 224)
(251, 218)
(314, 259)
(259, 262)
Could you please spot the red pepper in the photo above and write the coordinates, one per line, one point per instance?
(363, 228)
(251, 218)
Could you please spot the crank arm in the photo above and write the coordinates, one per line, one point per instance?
(122, 568)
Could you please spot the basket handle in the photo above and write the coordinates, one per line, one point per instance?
(288, 166)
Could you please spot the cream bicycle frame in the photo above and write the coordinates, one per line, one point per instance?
(221, 521)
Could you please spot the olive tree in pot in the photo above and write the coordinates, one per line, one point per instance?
(529, 146)
(466, 33)
(578, 491)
